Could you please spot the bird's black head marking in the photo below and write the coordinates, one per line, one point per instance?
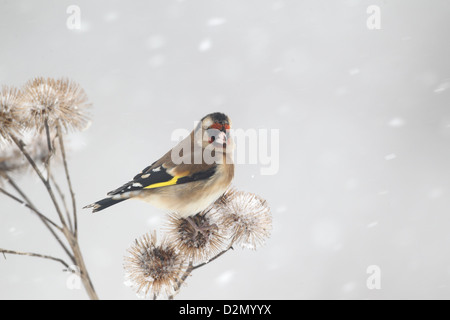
(218, 117)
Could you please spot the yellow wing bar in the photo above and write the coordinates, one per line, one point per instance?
(171, 182)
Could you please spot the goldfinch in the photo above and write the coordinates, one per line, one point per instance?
(188, 178)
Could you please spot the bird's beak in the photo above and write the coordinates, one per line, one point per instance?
(221, 138)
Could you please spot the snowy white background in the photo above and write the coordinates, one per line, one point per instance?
(363, 116)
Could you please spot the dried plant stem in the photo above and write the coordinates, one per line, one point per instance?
(182, 279)
(212, 259)
(87, 283)
(47, 131)
(40, 215)
(51, 152)
(191, 268)
(69, 233)
(73, 236)
(27, 203)
(30, 254)
(63, 200)
(50, 149)
(69, 182)
(46, 183)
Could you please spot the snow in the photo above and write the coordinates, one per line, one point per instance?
(443, 86)
(111, 16)
(435, 193)
(354, 71)
(364, 134)
(390, 156)
(225, 277)
(205, 45)
(372, 224)
(349, 287)
(156, 60)
(326, 234)
(396, 122)
(156, 41)
(216, 21)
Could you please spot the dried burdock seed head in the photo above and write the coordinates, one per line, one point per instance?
(153, 269)
(225, 198)
(197, 243)
(10, 114)
(55, 101)
(246, 216)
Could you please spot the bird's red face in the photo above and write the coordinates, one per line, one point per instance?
(219, 134)
(214, 133)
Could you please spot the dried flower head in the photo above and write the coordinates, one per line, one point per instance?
(9, 113)
(153, 269)
(246, 216)
(200, 243)
(55, 101)
(226, 197)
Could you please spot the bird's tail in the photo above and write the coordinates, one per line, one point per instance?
(104, 203)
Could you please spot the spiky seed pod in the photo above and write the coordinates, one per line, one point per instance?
(10, 114)
(246, 216)
(152, 269)
(55, 101)
(226, 197)
(197, 245)
(75, 101)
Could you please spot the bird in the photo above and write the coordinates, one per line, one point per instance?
(189, 177)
